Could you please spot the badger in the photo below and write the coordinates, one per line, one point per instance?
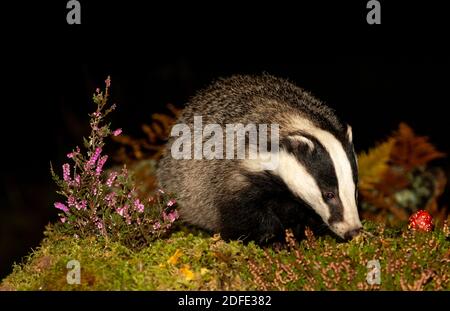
(314, 183)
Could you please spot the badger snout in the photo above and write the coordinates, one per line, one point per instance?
(352, 233)
(345, 230)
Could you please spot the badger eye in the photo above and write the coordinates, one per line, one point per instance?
(329, 196)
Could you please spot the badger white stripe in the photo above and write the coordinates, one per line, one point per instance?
(297, 178)
(341, 164)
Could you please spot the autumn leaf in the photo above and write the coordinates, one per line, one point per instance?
(187, 272)
(373, 164)
(174, 258)
(411, 151)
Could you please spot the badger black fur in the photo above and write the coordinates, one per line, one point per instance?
(315, 182)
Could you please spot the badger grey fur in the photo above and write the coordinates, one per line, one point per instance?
(228, 197)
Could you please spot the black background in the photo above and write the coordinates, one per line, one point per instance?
(375, 76)
(279, 300)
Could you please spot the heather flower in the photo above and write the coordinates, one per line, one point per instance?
(93, 159)
(100, 164)
(132, 193)
(172, 216)
(62, 207)
(95, 198)
(66, 171)
(100, 224)
(77, 180)
(171, 202)
(74, 153)
(110, 199)
(108, 82)
(122, 211)
(82, 205)
(157, 226)
(138, 206)
(71, 201)
(111, 178)
(117, 132)
(97, 90)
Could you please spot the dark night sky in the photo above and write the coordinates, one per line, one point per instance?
(374, 79)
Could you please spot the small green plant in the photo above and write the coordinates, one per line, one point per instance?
(107, 204)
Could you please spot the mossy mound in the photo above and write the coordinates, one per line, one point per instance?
(196, 261)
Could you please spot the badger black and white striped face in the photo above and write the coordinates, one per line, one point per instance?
(322, 171)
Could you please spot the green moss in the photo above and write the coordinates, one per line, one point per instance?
(196, 261)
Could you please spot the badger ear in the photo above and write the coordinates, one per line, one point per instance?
(349, 133)
(297, 141)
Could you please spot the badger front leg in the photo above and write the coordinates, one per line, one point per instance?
(251, 219)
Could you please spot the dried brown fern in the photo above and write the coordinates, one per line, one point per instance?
(411, 151)
(152, 145)
(395, 179)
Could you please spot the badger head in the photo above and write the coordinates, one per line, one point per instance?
(319, 167)
(321, 170)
